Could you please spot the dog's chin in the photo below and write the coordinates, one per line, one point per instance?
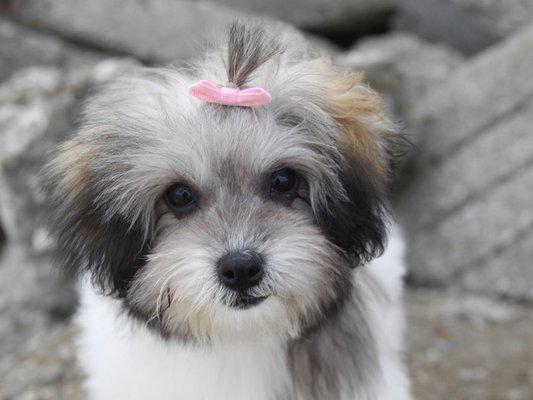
(243, 301)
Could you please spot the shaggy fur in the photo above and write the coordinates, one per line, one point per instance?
(157, 322)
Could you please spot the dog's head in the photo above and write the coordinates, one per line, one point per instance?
(210, 221)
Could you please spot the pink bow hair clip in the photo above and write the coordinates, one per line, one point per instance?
(211, 93)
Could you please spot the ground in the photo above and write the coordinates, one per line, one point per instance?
(469, 348)
(458, 348)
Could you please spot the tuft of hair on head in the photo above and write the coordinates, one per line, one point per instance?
(249, 47)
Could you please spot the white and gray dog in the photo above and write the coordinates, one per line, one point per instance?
(227, 252)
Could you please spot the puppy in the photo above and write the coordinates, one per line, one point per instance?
(225, 231)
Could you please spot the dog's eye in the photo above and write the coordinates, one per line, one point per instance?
(284, 184)
(180, 197)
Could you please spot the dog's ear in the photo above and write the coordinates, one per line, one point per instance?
(111, 248)
(357, 223)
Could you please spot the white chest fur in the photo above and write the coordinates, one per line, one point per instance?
(138, 365)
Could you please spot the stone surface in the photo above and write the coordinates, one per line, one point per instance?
(468, 238)
(468, 348)
(401, 66)
(508, 273)
(473, 171)
(491, 86)
(25, 142)
(319, 15)
(44, 369)
(21, 47)
(153, 31)
(468, 199)
(468, 25)
(32, 298)
(38, 108)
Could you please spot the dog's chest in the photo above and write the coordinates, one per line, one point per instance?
(231, 373)
(147, 369)
(125, 361)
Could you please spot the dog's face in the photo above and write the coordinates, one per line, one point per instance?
(213, 222)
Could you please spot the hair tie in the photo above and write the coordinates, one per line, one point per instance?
(227, 96)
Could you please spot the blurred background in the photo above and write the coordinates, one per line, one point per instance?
(457, 75)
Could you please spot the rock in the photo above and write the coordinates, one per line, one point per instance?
(45, 368)
(321, 46)
(467, 209)
(457, 345)
(37, 110)
(153, 31)
(468, 25)
(491, 86)
(473, 171)
(21, 47)
(353, 16)
(509, 273)
(32, 298)
(25, 141)
(2, 237)
(402, 67)
(466, 240)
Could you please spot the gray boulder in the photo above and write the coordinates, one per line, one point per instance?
(32, 298)
(152, 31)
(44, 368)
(37, 110)
(467, 25)
(492, 85)
(22, 47)
(322, 15)
(467, 209)
(472, 171)
(402, 67)
(508, 273)
(26, 113)
(466, 240)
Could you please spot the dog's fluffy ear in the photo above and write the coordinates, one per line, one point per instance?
(357, 223)
(109, 247)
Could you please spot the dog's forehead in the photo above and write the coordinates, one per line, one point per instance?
(233, 143)
(158, 134)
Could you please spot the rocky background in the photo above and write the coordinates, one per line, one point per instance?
(457, 74)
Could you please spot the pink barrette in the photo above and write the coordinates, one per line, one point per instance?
(251, 97)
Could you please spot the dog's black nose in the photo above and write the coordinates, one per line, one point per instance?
(241, 270)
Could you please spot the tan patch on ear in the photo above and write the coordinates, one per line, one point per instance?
(72, 165)
(363, 126)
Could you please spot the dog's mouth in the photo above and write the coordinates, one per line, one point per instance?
(243, 301)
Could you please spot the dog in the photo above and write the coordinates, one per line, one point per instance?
(227, 222)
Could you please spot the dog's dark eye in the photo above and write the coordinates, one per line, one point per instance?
(180, 197)
(284, 184)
